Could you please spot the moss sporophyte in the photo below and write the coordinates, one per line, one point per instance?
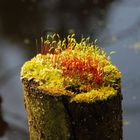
(80, 69)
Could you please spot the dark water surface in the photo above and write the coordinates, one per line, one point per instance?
(116, 24)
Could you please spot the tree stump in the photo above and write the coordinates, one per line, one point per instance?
(54, 117)
(72, 91)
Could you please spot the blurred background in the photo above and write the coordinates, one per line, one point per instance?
(116, 25)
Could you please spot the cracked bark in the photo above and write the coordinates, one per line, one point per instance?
(71, 120)
(55, 118)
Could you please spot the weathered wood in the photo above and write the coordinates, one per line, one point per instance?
(55, 118)
(98, 121)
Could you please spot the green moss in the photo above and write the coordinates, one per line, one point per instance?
(94, 95)
(73, 63)
(42, 72)
(42, 107)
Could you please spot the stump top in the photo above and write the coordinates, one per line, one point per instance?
(81, 71)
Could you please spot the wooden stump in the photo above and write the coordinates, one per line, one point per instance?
(53, 117)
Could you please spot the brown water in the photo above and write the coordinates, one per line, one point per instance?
(116, 24)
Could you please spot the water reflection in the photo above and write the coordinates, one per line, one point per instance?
(81, 16)
(21, 19)
(3, 123)
(10, 131)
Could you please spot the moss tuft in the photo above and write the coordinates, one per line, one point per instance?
(42, 72)
(63, 64)
(94, 95)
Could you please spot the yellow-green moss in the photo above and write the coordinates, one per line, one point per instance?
(46, 71)
(94, 95)
(42, 72)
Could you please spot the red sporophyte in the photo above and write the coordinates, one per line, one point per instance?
(82, 71)
(49, 44)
